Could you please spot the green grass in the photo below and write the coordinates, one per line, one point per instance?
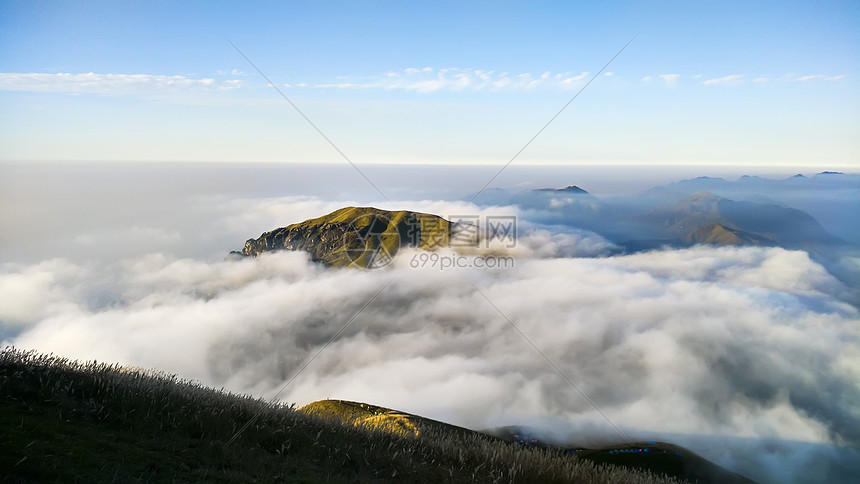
(339, 239)
(65, 421)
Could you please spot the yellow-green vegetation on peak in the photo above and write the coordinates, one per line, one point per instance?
(374, 417)
(364, 415)
(356, 236)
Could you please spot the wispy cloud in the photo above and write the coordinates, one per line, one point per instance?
(739, 78)
(647, 78)
(820, 77)
(734, 78)
(428, 79)
(670, 78)
(233, 72)
(109, 83)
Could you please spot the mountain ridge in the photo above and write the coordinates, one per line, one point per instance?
(657, 457)
(355, 236)
(67, 421)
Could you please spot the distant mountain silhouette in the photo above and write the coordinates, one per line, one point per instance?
(705, 216)
(667, 216)
(572, 189)
(832, 198)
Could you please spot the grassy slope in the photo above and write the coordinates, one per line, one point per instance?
(660, 457)
(380, 418)
(69, 422)
(329, 237)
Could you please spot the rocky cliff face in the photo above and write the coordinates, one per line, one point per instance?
(356, 236)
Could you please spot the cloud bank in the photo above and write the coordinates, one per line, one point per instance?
(421, 80)
(728, 343)
(748, 357)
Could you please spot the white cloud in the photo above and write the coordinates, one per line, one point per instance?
(721, 342)
(647, 78)
(821, 77)
(734, 78)
(233, 72)
(109, 83)
(428, 79)
(670, 78)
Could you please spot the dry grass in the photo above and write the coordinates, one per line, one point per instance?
(363, 415)
(66, 421)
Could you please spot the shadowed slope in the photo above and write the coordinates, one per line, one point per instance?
(656, 457)
(66, 421)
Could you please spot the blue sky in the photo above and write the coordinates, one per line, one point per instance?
(728, 83)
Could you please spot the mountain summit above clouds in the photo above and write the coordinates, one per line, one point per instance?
(355, 236)
(703, 210)
(572, 189)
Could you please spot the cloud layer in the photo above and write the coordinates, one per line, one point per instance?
(750, 357)
(109, 83)
(428, 79)
(421, 80)
(718, 342)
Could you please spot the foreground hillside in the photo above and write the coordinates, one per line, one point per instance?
(657, 457)
(65, 421)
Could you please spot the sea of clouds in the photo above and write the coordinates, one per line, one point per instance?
(748, 356)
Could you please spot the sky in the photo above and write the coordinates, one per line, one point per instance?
(728, 83)
(755, 344)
